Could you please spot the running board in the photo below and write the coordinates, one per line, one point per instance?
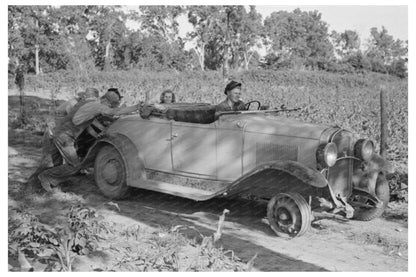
(178, 190)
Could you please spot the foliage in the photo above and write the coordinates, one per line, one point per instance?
(161, 21)
(59, 244)
(86, 38)
(345, 43)
(299, 34)
(133, 248)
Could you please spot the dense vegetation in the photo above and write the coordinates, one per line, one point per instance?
(350, 101)
(83, 38)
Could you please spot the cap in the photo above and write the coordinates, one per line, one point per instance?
(116, 91)
(90, 93)
(111, 96)
(231, 85)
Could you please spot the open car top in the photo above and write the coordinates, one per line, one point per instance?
(202, 113)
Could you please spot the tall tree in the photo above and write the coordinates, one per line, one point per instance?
(384, 47)
(301, 35)
(345, 43)
(107, 27)
(161, 21)
(249, 35)
(206, 21)
(32, 24)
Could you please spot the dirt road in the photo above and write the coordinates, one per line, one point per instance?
(379, 245)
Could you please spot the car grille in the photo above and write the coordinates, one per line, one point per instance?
(340, 175)
(266, 152)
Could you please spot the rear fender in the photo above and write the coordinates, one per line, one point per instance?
(271, 178)
(132, 158)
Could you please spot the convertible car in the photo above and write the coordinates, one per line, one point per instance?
(303, 170)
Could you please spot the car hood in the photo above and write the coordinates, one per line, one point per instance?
(275, 125)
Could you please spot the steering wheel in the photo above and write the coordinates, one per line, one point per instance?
(249, 104)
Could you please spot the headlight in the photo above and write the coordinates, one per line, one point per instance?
(364, 149)
(327, 154)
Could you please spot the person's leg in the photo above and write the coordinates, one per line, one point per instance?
(47, 159)
(51, 177)
(66, 146)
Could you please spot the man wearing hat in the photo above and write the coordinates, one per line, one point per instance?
(60, 113)
(51, 152)
(233, 101)
(71, 127)
(115, 104)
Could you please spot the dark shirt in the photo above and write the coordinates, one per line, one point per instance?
(224, 106)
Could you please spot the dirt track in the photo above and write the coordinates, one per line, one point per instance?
(380, 245)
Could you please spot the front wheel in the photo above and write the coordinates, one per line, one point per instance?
(383, 193)
(110, 173)
(289, 214)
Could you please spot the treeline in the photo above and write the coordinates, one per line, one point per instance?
(86, 38)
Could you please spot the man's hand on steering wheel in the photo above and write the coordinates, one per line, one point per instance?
(249, 104)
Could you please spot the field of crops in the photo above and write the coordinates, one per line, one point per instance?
(349, 101)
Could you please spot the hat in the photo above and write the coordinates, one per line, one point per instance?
(231, 85)
(116, 91)
(90, 93)
(111, 96)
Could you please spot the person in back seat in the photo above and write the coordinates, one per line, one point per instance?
(167, 97)
(233, 101)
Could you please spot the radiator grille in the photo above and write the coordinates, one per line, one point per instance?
(266, 152)
(339, 176)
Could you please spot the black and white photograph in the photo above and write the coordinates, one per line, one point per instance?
(207, 136)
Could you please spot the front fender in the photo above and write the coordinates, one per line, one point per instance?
(366, 173)
(131, 155)
(271, 178)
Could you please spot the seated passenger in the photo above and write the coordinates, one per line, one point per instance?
(233, 101)
(167, 97)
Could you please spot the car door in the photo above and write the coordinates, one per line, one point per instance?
(152, 137)
(193, 149)
(229, 149)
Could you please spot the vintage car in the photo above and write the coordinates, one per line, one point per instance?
(304, 171)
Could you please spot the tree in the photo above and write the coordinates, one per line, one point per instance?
(32, 24)
(161, 21)
(299, 34)
(384, 52)
(346, 43)
(206, 23)
(107, 26)
(250, 35)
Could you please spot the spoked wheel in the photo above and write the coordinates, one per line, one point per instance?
(371, 212)
(289, 215)
(110, 173)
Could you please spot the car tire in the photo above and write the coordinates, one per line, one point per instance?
(110, 173)
(289, 214)
(383, 193)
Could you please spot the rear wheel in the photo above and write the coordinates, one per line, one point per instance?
(110, 173)
(289, 215)
(383, 193)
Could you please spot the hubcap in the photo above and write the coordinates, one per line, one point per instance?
(111, 171)
(284, 216)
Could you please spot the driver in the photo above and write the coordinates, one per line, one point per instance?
(233, 101)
